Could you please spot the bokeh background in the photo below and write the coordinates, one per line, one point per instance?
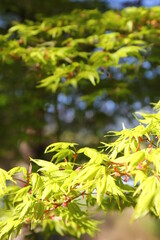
(47, 118)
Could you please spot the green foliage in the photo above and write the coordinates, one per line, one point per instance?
(59, 194)
(63, 54)
(63, 47)
(79, 55)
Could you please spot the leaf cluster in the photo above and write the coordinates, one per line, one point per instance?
(58, 196)
(69, 48)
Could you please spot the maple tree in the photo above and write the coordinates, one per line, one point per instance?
(67, 54)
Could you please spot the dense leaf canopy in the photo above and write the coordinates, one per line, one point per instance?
(84, 58)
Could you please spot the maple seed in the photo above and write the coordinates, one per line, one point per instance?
(64, 204)
(71, 74)
(140, 139)
(20, 41)
(79, 168)
(52, 217)
(30, 191)
(126, 178)
(140, 167)
(27, 220)
(117, 174)
(46, 57)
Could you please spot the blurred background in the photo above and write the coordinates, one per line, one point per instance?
(32, 118)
